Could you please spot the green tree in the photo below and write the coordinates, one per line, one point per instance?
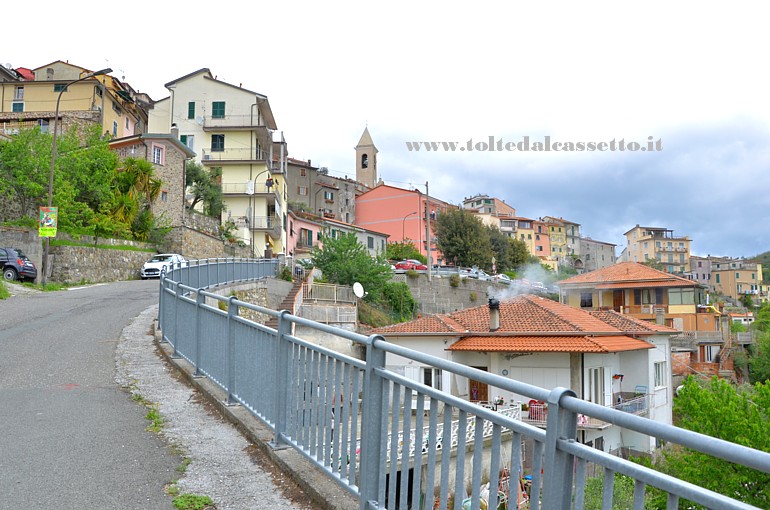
(759, 358)
(25, 162)
(204, 186)
(747, 302)
(739, 415)
(344, 260)
(762, 320)
(461, 237)
(404, 250)
(654, 263)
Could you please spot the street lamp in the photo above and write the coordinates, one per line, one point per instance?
(53, 158)
(403, 223)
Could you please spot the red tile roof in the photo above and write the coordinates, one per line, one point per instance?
(531, 323)
(624, 272)
(631, 324)
(578, 343)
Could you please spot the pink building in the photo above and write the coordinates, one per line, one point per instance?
(305, 231)
(402, 214)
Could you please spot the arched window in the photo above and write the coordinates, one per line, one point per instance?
(364, 161)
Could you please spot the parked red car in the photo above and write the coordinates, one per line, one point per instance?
(415, 265)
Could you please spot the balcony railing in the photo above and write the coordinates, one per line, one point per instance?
(244, 188)
(628, 402)
(645, 309)
(241, 154)
(232, 122)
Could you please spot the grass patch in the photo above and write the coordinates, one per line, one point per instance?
(4, 293)
(182, 467)
(156, 419)
(189, 501)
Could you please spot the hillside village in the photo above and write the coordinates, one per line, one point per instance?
(627, 325)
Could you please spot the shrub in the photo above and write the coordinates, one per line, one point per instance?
(398, 297)
(454, 280)
(286, 274)
(473, 296)
(411, 273)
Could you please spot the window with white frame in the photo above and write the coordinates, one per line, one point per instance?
(595, 390)
(302, 190)
(19, 93)
(432, 377)
(157, 154)
(660, 374)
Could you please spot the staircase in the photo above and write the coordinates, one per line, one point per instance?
(287, 303)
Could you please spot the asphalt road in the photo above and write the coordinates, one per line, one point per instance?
(69, 436)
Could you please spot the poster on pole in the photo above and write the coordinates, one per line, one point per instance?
(48, 221)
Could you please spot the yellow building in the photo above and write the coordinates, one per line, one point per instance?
(737, 278)
(231, 128)
(31, 99)
(645, 293)
(648, 243)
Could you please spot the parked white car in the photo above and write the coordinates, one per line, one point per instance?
(502, 278)
(161, 263)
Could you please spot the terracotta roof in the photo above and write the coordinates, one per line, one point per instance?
(530, 323)
(578, 343)
(625, 272)
(630, 324)
(645, 285)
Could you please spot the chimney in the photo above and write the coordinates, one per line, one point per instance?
(494, 314)
(174, 131)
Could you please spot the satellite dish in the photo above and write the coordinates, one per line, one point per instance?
(199, 120)
(358, 290)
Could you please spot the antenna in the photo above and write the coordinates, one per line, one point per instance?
(358, 290)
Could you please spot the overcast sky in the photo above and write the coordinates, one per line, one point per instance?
(691, 75)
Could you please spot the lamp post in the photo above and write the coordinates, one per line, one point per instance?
(53, 159)
(252, 223)
(403, 223)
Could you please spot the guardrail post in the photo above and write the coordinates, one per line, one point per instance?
(232, 311)
(282, 379)
(173, 334)
(557, 479)
(371, 426)
(199, 300)
(162, 286)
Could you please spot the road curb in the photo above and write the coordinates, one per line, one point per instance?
(324, 492)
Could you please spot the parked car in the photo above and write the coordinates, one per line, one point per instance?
(411, 264)
(16, 265)
(502, 278)
(479, 274)
(161, 263)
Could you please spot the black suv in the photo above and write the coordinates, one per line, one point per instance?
(16, 265)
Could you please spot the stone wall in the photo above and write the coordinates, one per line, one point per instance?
(438, 296)
(194, 244)
(24, 239)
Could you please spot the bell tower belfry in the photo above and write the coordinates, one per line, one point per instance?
(366, 160)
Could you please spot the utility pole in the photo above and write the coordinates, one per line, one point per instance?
(427, 229)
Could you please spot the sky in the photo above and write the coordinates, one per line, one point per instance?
(687, 81)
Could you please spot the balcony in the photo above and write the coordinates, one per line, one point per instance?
(232, 123)
(671, 249)
(650, 309)
(232, 156)
(632, 402)
(247, 188)
(268, 224)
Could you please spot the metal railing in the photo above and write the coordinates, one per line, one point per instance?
(342, 413)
